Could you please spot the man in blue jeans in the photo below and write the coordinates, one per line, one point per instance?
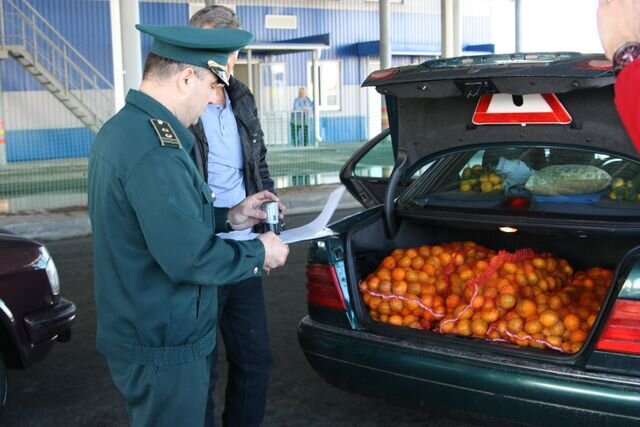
(302, 111)
(231, 155)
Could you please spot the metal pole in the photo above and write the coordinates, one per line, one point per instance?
(131, 52)
(518, 23)
(116, 55)
(457, 28)
(250, 70)
(446, 23)
(316, 97)
(385, 52)
(385, 37)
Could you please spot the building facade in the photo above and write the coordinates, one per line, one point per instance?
(37, 127)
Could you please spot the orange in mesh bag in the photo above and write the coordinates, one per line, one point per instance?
(414, 287)
(524, 298)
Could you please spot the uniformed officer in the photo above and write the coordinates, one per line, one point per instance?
(157, 261)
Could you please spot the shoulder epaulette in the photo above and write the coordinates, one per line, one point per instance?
(168, 137)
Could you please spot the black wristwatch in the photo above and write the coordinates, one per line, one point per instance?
(626, 54)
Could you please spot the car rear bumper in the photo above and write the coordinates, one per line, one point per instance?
(477, 383)
(51, 324)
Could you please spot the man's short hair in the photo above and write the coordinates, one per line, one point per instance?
(159, 68)
(215, 16)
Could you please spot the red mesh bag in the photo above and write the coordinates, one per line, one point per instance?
(466, 289)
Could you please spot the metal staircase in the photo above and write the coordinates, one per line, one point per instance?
(30, 39)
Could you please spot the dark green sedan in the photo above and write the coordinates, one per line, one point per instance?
(522, 154)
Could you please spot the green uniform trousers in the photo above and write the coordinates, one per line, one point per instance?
(172, 395)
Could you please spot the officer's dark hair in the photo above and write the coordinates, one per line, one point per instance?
(159, 67)
(215, 16)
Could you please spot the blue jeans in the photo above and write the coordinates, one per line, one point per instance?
(243, 324)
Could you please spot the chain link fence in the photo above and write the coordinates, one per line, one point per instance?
(327, 47)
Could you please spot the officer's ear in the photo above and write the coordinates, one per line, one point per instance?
(186, 79)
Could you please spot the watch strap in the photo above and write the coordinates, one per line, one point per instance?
(626, 54)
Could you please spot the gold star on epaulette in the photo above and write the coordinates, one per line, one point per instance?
(168, 137)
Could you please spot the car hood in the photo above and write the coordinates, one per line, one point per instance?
(431, 105)
(17, 254)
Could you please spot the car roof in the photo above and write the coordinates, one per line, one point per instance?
(431, 105)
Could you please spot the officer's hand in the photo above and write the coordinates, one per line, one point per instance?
(618, 24)
(275, 252)
(249, 212)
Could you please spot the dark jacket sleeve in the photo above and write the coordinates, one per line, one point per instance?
(627, 100)
(200, 150)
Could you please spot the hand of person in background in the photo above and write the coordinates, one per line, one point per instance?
(249, 212)
(618, 23)
(275, 252)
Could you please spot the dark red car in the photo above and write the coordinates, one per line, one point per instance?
(33, 316)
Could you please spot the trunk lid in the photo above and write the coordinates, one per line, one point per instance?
(431, 105)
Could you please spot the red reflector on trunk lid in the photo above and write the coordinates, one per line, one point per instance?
(621, 334)
(505, 109)
(323, 287)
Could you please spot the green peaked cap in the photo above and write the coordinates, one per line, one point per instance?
(204, 47)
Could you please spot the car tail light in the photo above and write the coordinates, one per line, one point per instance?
(323, 287)
(517, 203)
(621, 334)
(383, 74)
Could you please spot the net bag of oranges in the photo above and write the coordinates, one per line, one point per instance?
(525, 298)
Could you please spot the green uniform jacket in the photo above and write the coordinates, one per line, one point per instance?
(157, 261)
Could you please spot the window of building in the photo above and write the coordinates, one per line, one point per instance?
(329, 78)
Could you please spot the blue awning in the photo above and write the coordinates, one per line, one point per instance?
(479, 48)
(372, 48)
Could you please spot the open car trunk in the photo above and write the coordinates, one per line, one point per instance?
(368, 248)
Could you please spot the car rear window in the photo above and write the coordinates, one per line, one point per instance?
(537, 179)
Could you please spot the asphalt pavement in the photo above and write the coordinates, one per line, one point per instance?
(72, 386)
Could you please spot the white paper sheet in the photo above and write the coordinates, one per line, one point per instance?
(312, 230)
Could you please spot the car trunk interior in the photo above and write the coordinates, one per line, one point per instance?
(368, 243)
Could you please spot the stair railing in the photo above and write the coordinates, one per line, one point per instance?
(22, 25)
